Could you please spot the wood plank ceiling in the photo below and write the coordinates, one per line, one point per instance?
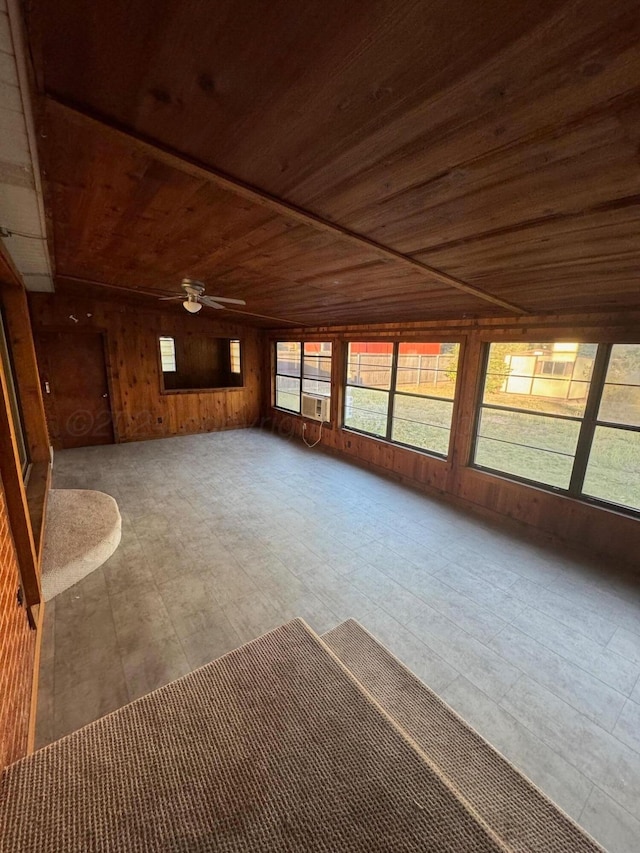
(495, 142)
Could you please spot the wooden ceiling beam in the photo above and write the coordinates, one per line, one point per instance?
(172, 158)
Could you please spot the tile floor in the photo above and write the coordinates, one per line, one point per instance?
(227, 535)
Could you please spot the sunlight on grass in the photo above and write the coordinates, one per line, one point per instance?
(613, 473)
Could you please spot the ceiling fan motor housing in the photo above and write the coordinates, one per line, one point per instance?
(192, 287)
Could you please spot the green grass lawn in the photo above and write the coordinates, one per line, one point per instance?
(613, 473)
(523, 444)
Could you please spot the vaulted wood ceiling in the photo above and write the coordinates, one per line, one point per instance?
(494, 142)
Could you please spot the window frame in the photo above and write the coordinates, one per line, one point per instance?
(301, 377)
(14, 400)
(392, 391)
(164, 391)
(588, 423)
(161, 339)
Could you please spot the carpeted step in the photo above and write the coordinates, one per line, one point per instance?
(273, 747)
(83, 529)
(509, 803)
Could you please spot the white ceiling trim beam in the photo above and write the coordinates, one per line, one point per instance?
(22, 212)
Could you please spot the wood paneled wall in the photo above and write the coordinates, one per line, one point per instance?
(17, 650)
(22, 518)
(131, 327)
(553, 515)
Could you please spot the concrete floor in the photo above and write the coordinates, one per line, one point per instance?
(228, 535)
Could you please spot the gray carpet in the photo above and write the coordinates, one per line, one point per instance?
(273, 747)
(515, 809)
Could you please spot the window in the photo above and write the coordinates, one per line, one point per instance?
(301, 368)
(554, 368)
(234, 356)
(168, 354)
(563, 415)
(613, 469)
(288, 373)
(194, 361)
(530, 418)
(368, 387)
(316, 369)
(14, 400)
(402, 392)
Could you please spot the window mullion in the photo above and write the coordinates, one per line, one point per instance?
(274, 374)
(301, 375)
(392, 389)
(479, 400)
(344, 354)
(589, 420)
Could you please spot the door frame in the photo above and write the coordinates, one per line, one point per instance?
(59, 328)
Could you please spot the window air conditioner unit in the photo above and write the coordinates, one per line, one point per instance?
(315, 407)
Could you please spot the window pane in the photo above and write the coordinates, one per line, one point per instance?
(234, 356)
(288, 393)
(168, 354)
(624, 364)
(288, 358)
(317, 348)
(542, 466)
(543, 377)
(422, 423)
(317, 367)
(535, 431)
(313, 386)
(534, 447)
(620, 402)
(613, 472)
(426, 368)
(370, 364)
(366, 410)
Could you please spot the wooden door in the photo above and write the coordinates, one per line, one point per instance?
(73, 372)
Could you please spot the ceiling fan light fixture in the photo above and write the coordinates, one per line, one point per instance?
(192, 306)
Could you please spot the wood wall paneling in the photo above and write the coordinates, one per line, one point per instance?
(22, 519)
(26, 506)
(15, 496)
(17, 651)
(132, 327)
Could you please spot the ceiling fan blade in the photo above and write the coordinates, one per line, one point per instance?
(207, 300)
(225, 299)
(169, 298)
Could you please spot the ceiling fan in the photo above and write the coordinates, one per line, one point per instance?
(195, 298)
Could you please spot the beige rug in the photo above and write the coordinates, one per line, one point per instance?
(83, 529)
(273, 747)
